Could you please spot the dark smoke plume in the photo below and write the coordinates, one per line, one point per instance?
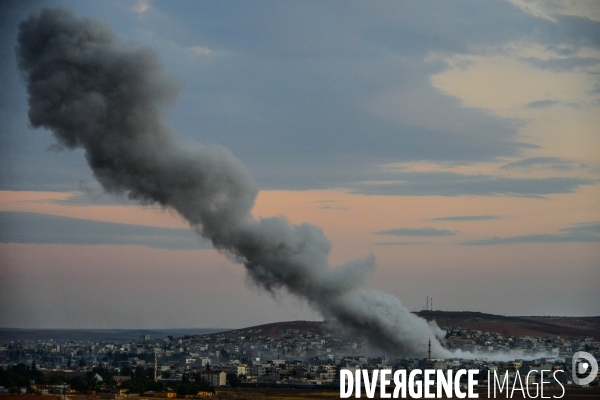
(94, 92)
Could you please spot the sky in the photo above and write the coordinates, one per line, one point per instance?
(457, 142)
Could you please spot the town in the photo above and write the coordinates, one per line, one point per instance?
(310, 356)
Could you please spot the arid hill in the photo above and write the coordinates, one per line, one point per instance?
(277, 330)
(514, 326)
(518, 326)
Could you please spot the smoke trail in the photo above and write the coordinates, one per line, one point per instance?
(97, 93)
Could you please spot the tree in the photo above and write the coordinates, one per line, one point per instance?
(233, 379)
(79, 384)
(139, 371)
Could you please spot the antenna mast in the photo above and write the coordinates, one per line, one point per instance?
(429, 351)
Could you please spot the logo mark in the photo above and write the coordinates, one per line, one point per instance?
(583, 367)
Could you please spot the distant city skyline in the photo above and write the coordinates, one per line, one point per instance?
(456, 143)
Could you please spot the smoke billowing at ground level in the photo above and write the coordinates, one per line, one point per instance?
(94, 92)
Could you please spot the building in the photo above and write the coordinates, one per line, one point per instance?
(215, 378)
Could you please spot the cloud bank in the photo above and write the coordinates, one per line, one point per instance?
(29, 227)
(587, 233)
(424, 232)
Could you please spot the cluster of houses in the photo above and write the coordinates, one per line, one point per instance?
(292, 357)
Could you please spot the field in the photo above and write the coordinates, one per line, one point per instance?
(316, 394)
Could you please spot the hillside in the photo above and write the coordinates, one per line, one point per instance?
(277, 330)
(513, 326)
(95, 335)
(518, 326)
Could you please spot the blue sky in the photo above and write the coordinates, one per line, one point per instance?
(465, 125)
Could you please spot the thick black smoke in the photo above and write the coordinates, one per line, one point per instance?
(93, 91)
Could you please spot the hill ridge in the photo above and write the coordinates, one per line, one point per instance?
(538, 326)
